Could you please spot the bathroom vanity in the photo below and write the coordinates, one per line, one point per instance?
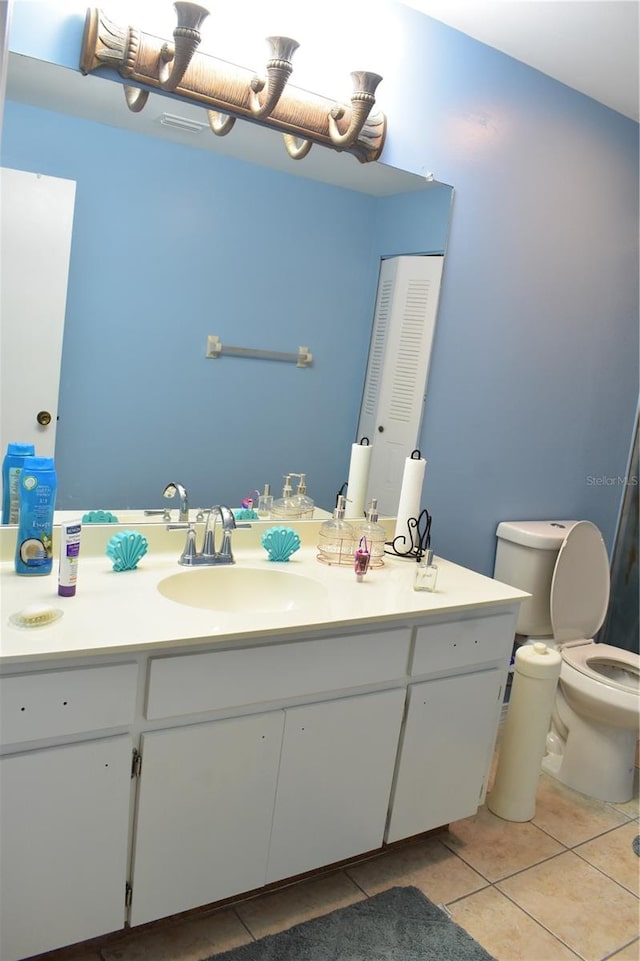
(158, 756)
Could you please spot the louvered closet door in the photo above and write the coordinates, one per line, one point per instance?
(398, 367)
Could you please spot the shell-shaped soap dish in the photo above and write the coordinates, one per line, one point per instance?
(99, 517)
(280, 543)
(126, 549)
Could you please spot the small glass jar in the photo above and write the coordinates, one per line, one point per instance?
(426, 573)
(265, 502)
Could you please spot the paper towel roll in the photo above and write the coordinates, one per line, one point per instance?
(535, 679)
(358, 479)
(410, 496)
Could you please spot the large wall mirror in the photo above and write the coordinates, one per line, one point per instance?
(178, 236)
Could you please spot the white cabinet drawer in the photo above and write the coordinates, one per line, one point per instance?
(190, 683)
(463, 643)
(56, 703)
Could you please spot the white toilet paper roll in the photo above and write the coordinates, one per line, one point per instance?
(359, 466)
(410, 495)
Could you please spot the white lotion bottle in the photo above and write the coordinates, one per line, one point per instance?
(70, 532)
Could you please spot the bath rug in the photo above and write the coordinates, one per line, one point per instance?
(398, 925)
(635, 844)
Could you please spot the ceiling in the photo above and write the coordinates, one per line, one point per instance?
(590, 45)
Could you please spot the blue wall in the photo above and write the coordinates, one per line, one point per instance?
(534, 373)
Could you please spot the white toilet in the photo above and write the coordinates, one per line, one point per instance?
(591, 745)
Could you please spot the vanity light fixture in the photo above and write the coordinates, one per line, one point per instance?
(228, 92)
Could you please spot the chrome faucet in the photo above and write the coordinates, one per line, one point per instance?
(170, 491)
(209, 556)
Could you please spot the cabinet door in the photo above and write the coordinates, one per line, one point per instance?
(446, 750)
(335, 781)
(64, 819)
(204, 813)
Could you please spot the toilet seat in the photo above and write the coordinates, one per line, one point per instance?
(606, 664)
(580, 584)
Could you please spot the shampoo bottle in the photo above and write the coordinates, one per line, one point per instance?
(11, 467)
(34, 545)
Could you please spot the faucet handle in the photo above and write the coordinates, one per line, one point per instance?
(189, 554)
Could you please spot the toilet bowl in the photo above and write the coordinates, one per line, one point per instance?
(594, 726)
(595, 722)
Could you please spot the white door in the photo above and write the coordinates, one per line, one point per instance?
(64, 819)
(398, 367)
(446, 751)
(335, 781)
(204, 813)
(36, 223)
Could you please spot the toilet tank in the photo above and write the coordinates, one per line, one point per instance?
(525, 558)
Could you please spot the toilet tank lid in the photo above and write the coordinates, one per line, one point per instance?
(543, 535)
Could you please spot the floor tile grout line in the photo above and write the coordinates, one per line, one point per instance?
(540, 924)
(353, 881)
(570, 847)
(243, 923)
(622, 948)
(513, 874)
(605, 875)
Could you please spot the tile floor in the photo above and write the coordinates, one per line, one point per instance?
(561, 887)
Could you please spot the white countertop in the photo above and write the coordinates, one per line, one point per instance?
(124, 612)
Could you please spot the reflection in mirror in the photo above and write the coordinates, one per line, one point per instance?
(173, 242)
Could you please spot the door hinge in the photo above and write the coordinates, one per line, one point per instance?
(136, 763)
(128, 894)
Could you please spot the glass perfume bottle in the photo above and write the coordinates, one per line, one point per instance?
(426, 573)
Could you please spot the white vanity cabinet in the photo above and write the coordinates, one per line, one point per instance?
(229, 805)
(256, 759)
(335, 780)
(451, 722)
(64, 807)
(204, 813)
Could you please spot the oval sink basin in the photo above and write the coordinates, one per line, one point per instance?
(235, 589)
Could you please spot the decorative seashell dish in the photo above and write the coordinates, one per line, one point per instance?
(99, 517)
(126, 549)
(280, 543)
